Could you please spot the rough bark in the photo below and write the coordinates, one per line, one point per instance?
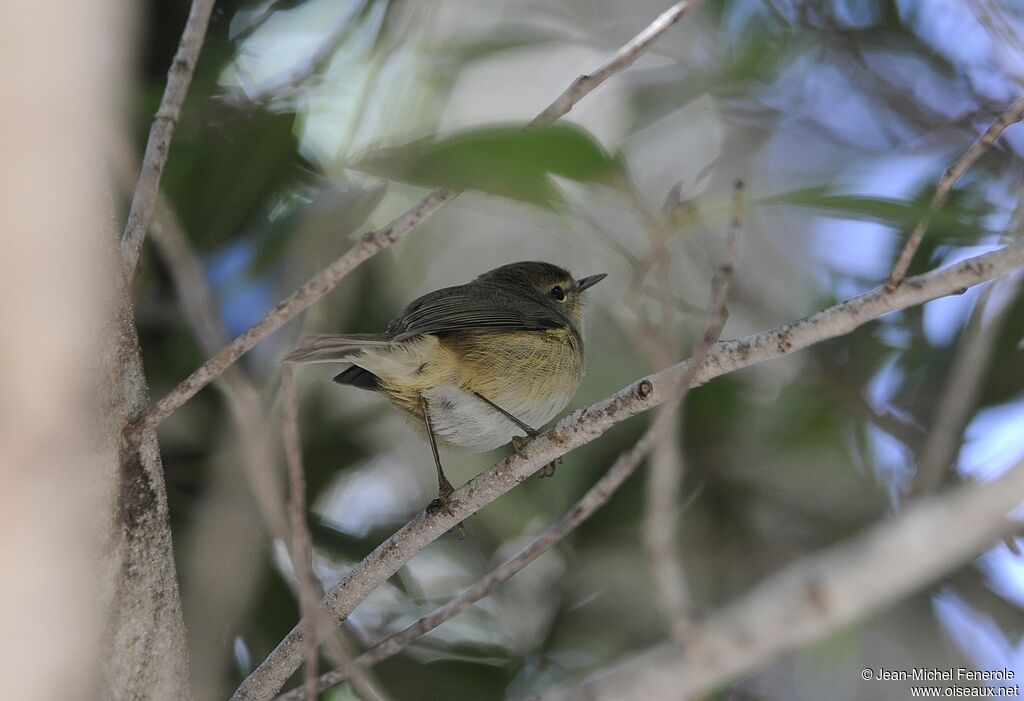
(147, 655)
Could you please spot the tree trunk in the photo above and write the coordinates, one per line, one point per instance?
(88, 593)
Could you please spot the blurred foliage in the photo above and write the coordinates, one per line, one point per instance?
(839, 116)
(514, 161)
(961, 218)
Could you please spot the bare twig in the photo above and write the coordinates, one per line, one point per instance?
(587, 424)
(301, 546)
(666, 472)
(199, 308)
(311, 65)
(309, 590)
(818, 595)
(179, 76)
(959, 396)
(250, 417)
(372, 242)
(946, 183)
(621, 59)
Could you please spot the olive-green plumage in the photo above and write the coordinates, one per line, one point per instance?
(475, 364)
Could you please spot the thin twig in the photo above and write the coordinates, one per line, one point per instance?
(585, 425)
(945, 186)
(301, 551)
(372, 242)
(621, 59)
(200, 309)
(960, 393)
(179, 76)
(301, 546)
(666, 471)
(818, 595)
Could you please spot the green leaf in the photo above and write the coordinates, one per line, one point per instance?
(959, 221)
(509, 160)
(882, 209)
(219, 182)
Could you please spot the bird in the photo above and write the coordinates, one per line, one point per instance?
(474, 365)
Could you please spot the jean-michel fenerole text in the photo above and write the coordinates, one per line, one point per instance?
(960, 674)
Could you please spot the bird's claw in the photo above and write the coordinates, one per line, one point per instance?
(445, 490)
(549, 469)
(519, 444)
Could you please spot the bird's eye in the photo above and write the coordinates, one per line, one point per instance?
(558, 293)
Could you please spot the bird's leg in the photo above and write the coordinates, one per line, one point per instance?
(523, 426)
(519, 443)
(444, 487)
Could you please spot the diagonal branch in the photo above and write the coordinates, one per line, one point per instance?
(817, 595)
(589, 423)
(179, 76)
(375, 241)
(620, 60)
(946, 183)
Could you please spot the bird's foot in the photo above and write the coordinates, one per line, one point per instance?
(549, 469)
(444, 491)
(519, 444)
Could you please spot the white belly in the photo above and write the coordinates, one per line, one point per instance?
(466, 421)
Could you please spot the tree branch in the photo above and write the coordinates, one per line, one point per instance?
(818, 595)
(200, 309)
(179, 76)
(302, 544)
(620, 60)
(374, 241)
(959, 396)
(308, 588)
(945, 186)
(587, 424)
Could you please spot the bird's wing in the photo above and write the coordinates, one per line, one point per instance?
(472, 307)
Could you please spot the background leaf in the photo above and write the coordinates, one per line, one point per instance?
(513, 161)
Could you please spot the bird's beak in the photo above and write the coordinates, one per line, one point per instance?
(589, 281)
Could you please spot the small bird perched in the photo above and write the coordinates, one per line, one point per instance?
(474, 364)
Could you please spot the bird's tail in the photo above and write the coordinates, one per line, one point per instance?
(335, 349)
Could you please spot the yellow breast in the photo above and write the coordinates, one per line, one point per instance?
(527, 370)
